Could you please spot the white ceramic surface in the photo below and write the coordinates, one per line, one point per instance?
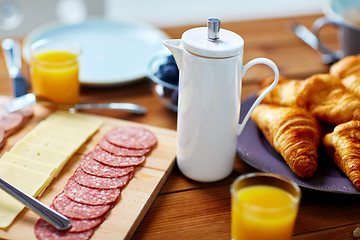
(209, 104)
(114, 52)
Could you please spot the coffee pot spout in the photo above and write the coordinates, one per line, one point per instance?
(175, 46)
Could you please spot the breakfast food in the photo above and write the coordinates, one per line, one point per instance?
(343, 145)
(329, 101)
(322, 95)
(38, 158)
(89, 165)
(10, 123)
(90, 196)
(286, 92)
(76, 210)
(110, 159)
(44, 230)
(346, 66)
(2, 137)
(352, 83)
(293, 132)
(131, 137)
(348, 71)
(96, 185)
(333, 99)
(122, 151)
(93, 181)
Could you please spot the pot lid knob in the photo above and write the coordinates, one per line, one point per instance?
(213, 25)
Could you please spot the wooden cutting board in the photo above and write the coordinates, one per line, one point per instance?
(136, 198)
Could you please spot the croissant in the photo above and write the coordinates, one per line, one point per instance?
(346, 66)
(323, 95)
(285, 93)
(293, 132)
(343, 145)
(329, 101)
(352, 83)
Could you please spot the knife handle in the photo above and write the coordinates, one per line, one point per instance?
(19, 85)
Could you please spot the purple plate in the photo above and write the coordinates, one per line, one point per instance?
(254, 149)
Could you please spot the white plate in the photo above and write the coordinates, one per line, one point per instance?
(113, 53)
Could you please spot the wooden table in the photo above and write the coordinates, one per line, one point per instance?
(186, 209)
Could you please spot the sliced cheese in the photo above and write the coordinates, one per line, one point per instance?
(20, 178)
(64, 128)
(28, 163)
(76, 121)
(32, 165)
(78, 116)
(53, 133)
(41, 154)
(56, 144)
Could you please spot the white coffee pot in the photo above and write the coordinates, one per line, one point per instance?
(210, 62)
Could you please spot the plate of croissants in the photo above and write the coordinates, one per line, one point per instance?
(308, 130)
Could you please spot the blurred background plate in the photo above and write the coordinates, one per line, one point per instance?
(114, 52)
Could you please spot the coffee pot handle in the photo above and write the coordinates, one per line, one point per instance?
(275, 69)
(317, 26)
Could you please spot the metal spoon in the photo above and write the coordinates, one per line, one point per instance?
(50, 215)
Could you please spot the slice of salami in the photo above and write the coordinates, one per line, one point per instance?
(11, 123)
(26, 112)
(122, 151)
(2, 137)
(44, 230)
(72, 209)
(90, 196)
(93, 167)
(131, 137)
(93, 181)
(78, 225)
(106, 158)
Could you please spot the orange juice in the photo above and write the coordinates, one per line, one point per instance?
(263, 212)
(55, 76)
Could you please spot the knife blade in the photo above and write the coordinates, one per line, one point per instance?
(30, 99)
(12, 54)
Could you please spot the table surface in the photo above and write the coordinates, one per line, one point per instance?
(185, 209)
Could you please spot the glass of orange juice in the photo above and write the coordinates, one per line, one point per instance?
(263, 206)
(55, 70)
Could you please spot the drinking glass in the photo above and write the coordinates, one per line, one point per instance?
(55, 70)
(263, 206)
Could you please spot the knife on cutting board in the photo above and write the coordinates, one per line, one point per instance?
(12, 54)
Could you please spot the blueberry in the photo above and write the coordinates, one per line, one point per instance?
(168, 73)
(170, 59)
